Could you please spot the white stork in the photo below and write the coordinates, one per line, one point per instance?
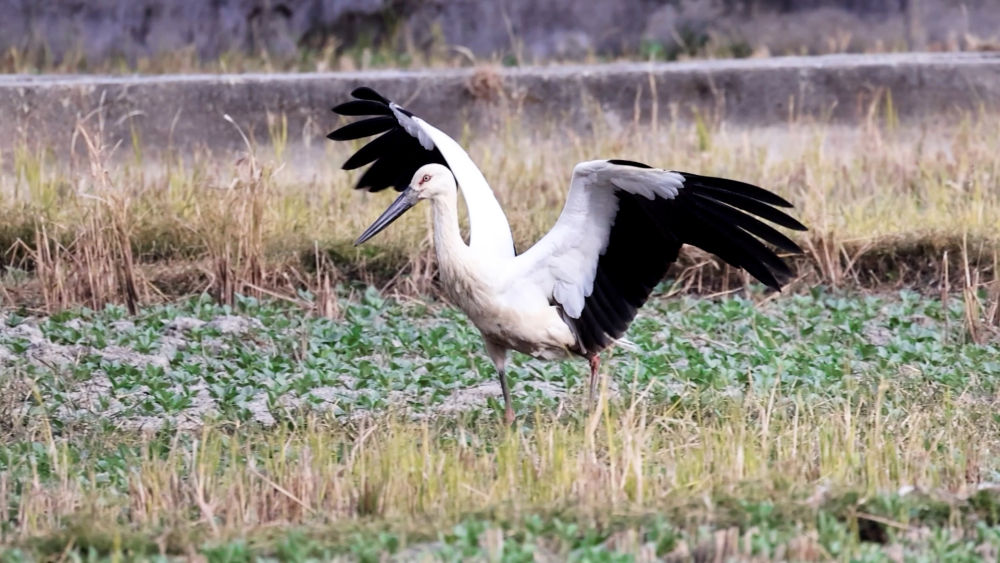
(578, 288)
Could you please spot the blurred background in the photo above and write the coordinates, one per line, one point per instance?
(319, 35)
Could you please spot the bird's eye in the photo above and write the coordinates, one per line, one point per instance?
(425, 179)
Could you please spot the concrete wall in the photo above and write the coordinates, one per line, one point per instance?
(186, 111)
(530, 29)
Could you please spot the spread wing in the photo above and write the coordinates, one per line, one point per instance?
(623, 225)
(404, 144)
(400, 149)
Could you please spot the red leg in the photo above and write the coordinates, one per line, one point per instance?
(595, 366)
(499, 356)
(508, 410)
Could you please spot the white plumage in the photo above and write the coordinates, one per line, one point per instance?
(566, 258)
(579, 287)
(490, 231)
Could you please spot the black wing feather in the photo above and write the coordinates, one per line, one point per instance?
(362, 107)
(709, 183)
(751, 224)
(714, 214)
(372, 151)
(751, 205)
(750, 251)
(363, 128)
(394, 155)
(366, 93)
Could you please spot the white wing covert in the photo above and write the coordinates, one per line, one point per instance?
(623, 225)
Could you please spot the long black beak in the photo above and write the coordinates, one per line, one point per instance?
(406, 200)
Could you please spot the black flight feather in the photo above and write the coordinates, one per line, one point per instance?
(363, 128)
(717, 215)
(395, 155)
(362, 107)
(366, 93)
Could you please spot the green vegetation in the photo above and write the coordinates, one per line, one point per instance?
(807, 426)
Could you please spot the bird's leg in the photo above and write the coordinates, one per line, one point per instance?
(498, 353)
(595, 366)
(508, 410)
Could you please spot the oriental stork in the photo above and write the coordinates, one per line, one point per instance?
(575, 291)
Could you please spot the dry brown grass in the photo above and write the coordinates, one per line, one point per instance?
(887, 203)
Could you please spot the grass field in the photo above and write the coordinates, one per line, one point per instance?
(886, 203)
(810, 426)
(195, 362)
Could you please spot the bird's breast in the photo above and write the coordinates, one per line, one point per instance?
(519, 317)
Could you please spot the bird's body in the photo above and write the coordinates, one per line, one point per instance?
(578, 288)
(486, 286)
(509, 314)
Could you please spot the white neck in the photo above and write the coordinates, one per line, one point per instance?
(448, 243)
(489, 232)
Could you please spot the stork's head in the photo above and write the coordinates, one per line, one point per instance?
(433, 180)
(429, 182)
